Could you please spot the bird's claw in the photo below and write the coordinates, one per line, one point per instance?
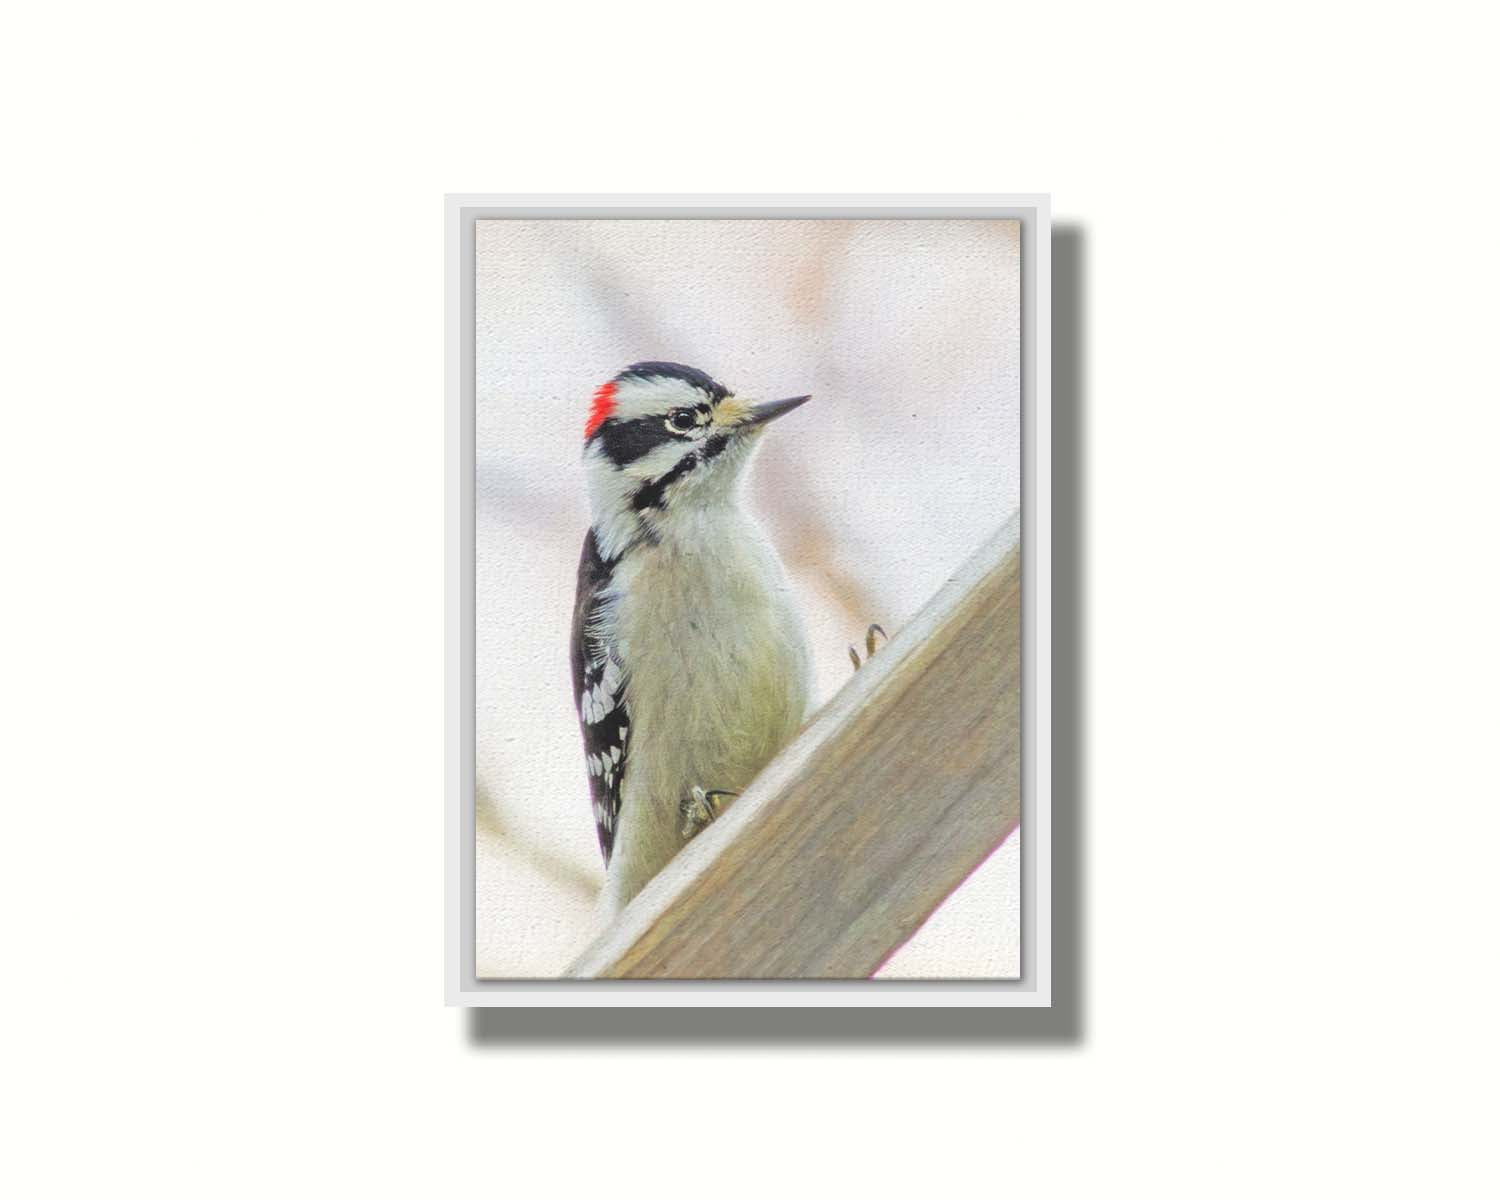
(699, 808)
(869, 645)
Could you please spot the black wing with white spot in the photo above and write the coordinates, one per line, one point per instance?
(599, 696)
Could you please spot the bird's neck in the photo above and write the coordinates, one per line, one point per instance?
(620, 529)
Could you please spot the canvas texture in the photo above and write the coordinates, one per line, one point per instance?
(906, 333)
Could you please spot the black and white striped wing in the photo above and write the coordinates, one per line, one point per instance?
(599, 696)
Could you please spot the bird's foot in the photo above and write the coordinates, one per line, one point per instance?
(869, 645)
(699, 808)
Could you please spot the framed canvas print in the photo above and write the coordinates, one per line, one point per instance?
(747, 601)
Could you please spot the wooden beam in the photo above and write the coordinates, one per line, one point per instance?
(905, 781)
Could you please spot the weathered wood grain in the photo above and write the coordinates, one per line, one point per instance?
(845, 844)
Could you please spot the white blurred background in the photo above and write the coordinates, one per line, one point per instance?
(906, 333)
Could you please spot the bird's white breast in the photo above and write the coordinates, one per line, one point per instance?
(717, 674)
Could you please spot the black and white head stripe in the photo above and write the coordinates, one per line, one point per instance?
(701, 380)
(642, 396)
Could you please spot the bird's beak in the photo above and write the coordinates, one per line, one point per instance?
(771, 409)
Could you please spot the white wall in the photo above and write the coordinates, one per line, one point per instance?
(221, 468)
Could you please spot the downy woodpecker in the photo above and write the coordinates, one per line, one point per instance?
(690, 664)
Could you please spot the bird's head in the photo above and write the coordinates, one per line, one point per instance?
(663, 440)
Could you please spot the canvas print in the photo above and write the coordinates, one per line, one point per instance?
(746, 598)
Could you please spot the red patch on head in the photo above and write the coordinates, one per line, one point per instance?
(604, 405)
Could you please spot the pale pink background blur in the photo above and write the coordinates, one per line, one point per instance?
(907, 333)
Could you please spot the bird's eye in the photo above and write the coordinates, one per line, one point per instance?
(682, 419)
